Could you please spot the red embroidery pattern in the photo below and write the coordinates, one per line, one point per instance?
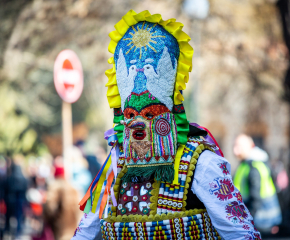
(223, 167)
(246, 227)
(223, 189)
(253, 236)
(252, 221)
(236, 212)
(238, 196)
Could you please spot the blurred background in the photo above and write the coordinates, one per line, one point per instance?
(239, 84)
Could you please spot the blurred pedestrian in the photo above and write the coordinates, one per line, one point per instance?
(14, 196)
(253, 179)
(94, 165)
(80, 176)
(60, 212)
(3, 208)
(36, 196)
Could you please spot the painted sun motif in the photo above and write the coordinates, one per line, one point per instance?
(142, 38)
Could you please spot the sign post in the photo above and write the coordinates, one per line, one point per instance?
(68, 82)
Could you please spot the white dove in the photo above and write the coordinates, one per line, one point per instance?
(125, 81)
(161, 84)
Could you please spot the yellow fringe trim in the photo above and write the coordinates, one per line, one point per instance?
(117, 187)
(157, 217)
(184, 61)
(154, 197)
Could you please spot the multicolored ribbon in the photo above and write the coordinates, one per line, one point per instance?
(111, 137)
(107, 172)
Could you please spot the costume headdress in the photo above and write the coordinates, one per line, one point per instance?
(151, 62)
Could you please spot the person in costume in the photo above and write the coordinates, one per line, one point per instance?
(164, 178)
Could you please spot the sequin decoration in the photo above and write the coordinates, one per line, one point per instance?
(146, 59)
(159, 149)
(162, 127)
(142, 38)
(154, 53)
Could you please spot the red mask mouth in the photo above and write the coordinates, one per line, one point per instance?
(139, 134)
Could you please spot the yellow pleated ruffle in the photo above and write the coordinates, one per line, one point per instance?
(175, 28)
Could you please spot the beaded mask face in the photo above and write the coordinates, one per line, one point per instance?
(150, 141)
(146, 64)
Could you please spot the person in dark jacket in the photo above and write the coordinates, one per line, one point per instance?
(3, 208)
(253, 179)
(15, 189)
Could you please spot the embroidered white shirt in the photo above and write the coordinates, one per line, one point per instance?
(213, 185)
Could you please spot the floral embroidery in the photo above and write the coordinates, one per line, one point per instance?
(78, 229)
(236, 212)
(257, 236)
(238, 196)
(148, 185)
(123, 211)
(223, 189)
(253, 236)
(134, 209)
(246, 227)
(136, 187)
(252, 221)
(120, 206)
(144, 198)
(135, 198)
(223, 167)
(145, 211)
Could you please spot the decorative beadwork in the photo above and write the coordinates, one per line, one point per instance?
(178, 109)
(166, 197)
(137, 72)
(198, 226)
(162, 127)
(135, 198)
(118, 112)
(162, 149)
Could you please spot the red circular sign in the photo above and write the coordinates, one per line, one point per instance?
(68, 76)
(162, 127)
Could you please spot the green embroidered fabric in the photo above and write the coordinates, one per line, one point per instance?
(182, 126)
(119, 128)
(138, 102)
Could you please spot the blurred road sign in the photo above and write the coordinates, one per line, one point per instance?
(68, 76)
